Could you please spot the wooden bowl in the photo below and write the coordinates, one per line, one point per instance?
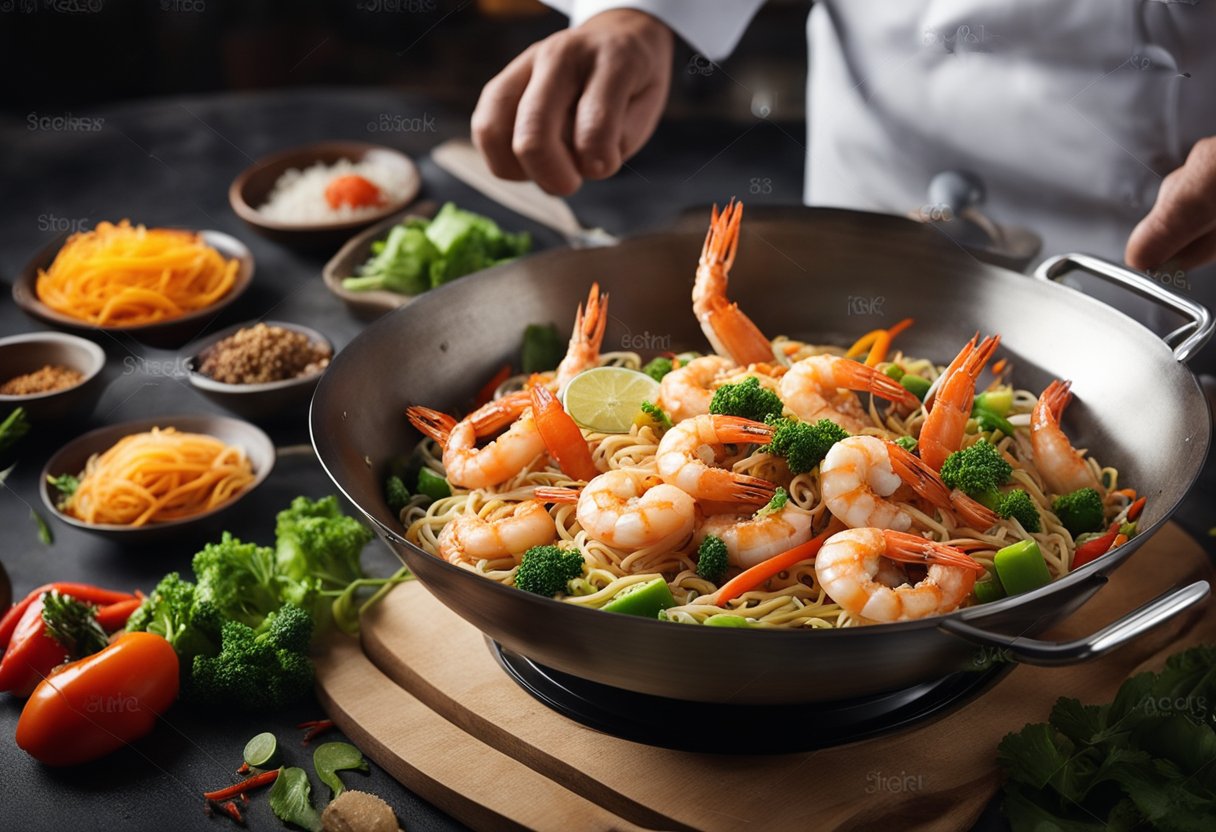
(251, 188)
(21, 354)
(263, 402)
(71, 459)
(170, 333)
(355, 253)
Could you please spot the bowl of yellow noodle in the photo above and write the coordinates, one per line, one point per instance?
(159, 285)
(153, 478)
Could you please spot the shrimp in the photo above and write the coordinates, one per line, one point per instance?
(687, 391)
(860, 473)
(686, 452)
(584, 350)
(467, 465)
(505, 532)
(752, 539)
(942, 433)
(812, 390)
(728, 330)
(562, 436)
(848, 563)
(629, 509)
(1063, 469)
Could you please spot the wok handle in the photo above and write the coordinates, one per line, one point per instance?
(1129, 627)
(1199, 319)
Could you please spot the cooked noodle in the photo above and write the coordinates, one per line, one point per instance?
(792, 598)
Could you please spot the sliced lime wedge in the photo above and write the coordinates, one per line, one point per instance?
(606, 399)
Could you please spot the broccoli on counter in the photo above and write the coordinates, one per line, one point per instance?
(804, 445)
(257, 671)
(545, 570)
(746, 399)
(174, 612)
(1080, 512)
(238, 579)
(712, 559)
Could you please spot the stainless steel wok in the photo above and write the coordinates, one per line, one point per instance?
(827, 276)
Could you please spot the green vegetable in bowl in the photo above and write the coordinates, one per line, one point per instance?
(804, 445)
(421, 254)
(1021, 567)
(644, 600)
(1080, 511)
(746, 399)
(542, 348)
(712, 559)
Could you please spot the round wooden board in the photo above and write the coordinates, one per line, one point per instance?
(423, 696)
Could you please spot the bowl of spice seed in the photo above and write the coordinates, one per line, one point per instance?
(261, 371)
(50, 374)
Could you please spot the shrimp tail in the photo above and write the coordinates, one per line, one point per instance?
(909, 548)
(739, 431)
(432, 423)
(917, 474)
(747, 489)
(500, 412)
(1056, 397)
(733, 332)
(562, 436)
(975, 514)
(853, 375)
(556, 494)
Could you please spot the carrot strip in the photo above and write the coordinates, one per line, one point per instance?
(1133, 511)
(249, 783)
(879, 350)
(863, 343)
(751, 578)
(999, 366)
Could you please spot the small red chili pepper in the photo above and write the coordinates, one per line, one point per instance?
(487, 391)
(315, 727)
(244, 769)
(254, 782)
(1096, 548)
(231, 810)
(113, 617)
(81, 592)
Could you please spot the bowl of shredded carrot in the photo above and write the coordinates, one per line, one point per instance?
(160, 285)
(149, 478)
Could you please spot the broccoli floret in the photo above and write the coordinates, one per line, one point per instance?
(257, 671)
(1018, 505)
(1080, 512)
(711, 559)
(653, 415)
(238, 578)
(804, 445)
(656, 368)
(395, 493)
(545, 570)
(174, 612)
(317, 551)
(780, 498)
(747, 399)
(977, 471)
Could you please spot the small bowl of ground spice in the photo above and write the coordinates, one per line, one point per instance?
(262, 371)
(49, 374)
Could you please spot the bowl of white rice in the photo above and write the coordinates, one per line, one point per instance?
(319, 195)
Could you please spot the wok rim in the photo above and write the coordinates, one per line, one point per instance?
(1094, 572)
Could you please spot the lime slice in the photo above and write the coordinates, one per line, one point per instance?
(260, 750)
(606, 399)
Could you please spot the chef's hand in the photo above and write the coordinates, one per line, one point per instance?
(1181, 228)
(575, 105)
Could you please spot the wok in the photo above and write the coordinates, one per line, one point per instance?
(824, 275)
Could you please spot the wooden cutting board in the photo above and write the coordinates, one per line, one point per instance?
(422, 695)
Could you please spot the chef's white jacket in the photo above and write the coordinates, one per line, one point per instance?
(1070, 111)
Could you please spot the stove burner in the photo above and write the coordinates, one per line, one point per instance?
(741, 729)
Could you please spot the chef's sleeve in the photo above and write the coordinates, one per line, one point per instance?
(712, 27)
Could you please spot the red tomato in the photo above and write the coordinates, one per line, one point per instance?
(96, 705)
(352, 190)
